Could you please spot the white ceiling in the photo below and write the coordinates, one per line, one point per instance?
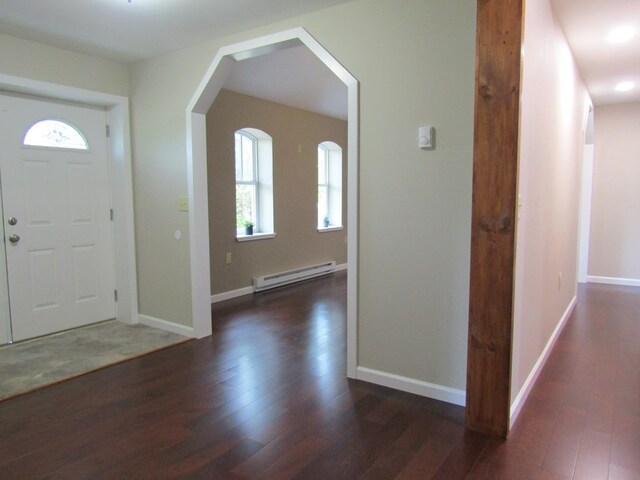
(129, 32)
(586, 24)
(294, 77)
(140, 29)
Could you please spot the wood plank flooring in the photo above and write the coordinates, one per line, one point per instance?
(582, 419)
(266, 398)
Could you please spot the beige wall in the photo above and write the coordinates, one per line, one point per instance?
(553, 117)
(414, 60)
(36, 61)
(615, 202)
(298, 242)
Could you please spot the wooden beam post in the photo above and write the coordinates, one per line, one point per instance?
(495, 175)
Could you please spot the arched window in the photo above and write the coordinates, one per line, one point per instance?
(329, 186)
(53, 133)
(254, 183)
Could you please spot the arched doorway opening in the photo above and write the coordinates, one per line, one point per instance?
(202, 100)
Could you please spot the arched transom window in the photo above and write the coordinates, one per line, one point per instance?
(52, 133)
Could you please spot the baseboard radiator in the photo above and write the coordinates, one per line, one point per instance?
(284, 278)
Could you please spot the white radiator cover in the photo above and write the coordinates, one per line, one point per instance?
(291, 276)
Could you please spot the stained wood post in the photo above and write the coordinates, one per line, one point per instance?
(495, 173)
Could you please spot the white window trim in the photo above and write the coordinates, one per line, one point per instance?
(325, 153)
(264, 223)
(255, 236)
(329, 229)
(334, 186)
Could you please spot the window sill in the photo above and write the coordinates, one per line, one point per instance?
(255, 236)
(329, 229)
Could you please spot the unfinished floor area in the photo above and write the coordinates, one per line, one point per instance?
(266, 397)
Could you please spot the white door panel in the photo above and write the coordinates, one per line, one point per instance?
(61, 270)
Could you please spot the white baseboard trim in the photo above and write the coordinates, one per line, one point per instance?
(166, 325)
(629, 282)
(411, 385)
(522, 396)
(220, 297)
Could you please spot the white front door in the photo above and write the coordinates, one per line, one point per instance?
(56, 214)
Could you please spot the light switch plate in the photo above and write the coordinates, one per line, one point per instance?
(183, 204)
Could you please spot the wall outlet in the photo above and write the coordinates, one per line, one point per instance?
(227, 258)
(559, 280)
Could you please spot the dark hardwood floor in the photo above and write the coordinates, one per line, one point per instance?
(266, 397)
(582, 419)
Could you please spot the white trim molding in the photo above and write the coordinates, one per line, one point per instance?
(161, 324)
(196, 111)
(411, 385)
(240, 292)
(523, 394)
(629, 282)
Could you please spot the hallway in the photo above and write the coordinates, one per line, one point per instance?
(582, 419)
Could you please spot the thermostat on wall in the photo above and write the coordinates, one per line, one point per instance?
(425, 137)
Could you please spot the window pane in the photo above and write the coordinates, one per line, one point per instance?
(322, 166)
(322, 204)
(247, 159)
(245, 204)
(56, 134)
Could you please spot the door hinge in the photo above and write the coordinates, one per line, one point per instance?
(108, 130)
(115, 295)
(111, 214)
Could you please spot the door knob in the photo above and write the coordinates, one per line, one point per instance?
(13, 238)
(12, 221)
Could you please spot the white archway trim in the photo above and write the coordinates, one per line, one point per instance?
(117, 109)
(197, 173)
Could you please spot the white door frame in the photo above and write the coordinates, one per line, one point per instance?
(117, 109)
(586, 189)
(197, 174)
(5, 325)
